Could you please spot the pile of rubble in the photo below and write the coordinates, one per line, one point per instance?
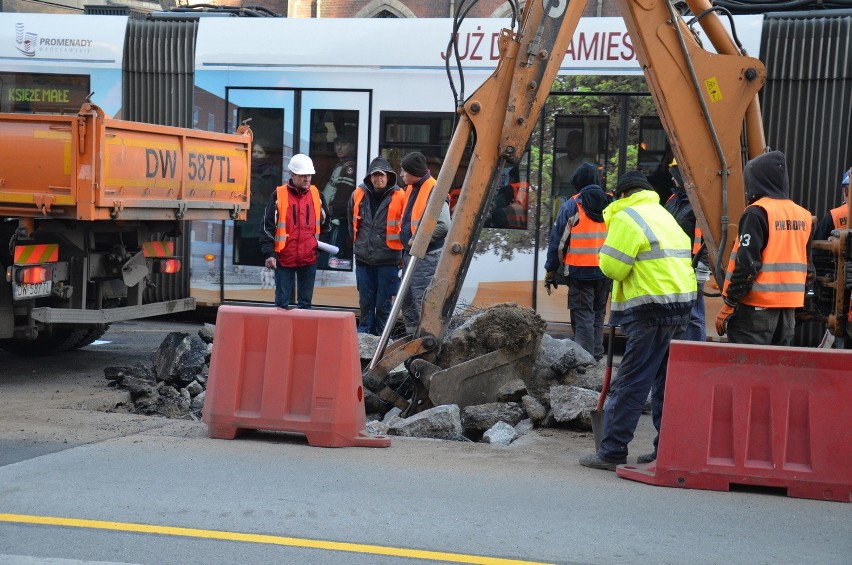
(175, 384)
(557, 386)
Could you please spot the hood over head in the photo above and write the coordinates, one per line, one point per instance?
(584, 175)
(593, 200)
(380, 164)
(766, 175)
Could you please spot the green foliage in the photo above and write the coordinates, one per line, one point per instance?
(574, 95)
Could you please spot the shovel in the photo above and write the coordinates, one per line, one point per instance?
(597, 413)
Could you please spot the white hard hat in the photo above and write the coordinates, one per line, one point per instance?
(301, 164)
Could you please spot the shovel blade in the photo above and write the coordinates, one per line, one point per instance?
(597, 427)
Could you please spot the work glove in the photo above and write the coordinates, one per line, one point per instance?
(550, 281)
(722, 319)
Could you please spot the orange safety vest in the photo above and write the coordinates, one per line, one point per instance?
(781, 281)
(839, 215)
(419, 204)
(283, 196)
(696, 241)
(587, 238)
(521, 190)
(394, 219)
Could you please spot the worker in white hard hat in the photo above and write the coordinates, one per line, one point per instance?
(290, 234)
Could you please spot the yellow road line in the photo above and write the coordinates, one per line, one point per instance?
(260, 538)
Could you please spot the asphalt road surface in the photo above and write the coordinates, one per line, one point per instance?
(80, 484)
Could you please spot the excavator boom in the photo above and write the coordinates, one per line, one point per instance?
(703, 98)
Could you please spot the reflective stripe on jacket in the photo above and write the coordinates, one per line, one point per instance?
(393, 216)
(587, 238)
(784, 270)
(648, 256)
(282, 231)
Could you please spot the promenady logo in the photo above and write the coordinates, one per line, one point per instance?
(25, 41)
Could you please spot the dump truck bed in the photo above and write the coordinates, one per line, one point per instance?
(92, 167)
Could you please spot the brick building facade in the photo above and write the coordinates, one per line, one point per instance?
(398, 8)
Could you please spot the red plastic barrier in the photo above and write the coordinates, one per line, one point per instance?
(290, 371)
(763, 416)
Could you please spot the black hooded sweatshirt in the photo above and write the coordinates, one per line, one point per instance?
(370, 247)
(765, 176)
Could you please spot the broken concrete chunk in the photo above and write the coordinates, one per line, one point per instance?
(534, 409)
(206, 333)
(477, 419)
(573, 404)
(512, 391)
(180, 359)
(500, 433)
(441, 422)
(525, 426)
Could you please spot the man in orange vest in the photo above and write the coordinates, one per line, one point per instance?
(290, 234)
(418, 184)
(679, 206)
(575, 241)
(375, 218)
(770, 265)
(837, 218)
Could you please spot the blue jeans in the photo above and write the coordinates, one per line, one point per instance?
(376, 285)
(643, 367)
(587, 300)
(696, 330)
(303, 277)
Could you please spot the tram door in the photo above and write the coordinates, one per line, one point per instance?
(332, 128)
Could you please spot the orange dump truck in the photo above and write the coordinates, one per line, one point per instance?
(90, 208)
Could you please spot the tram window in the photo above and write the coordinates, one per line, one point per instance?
(42, 93)
(430, 134)
(266, 159)
(577, 139)
(655, 154)
(334, 151)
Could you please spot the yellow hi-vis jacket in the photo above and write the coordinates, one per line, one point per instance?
(649, 259)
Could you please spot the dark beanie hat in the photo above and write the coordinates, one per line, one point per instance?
(414, 164)
(632, 180)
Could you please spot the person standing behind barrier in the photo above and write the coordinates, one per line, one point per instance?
(679, 206)
(575, 241)
(291, 228)
(418, 187)
(375, 216)
(770, 265)
(648, 257)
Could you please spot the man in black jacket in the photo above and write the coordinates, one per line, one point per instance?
(375, 215)
(679, 206)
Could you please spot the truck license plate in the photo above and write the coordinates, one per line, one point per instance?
(24, 291)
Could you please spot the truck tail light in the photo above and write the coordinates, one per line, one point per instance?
(169, 266)
(34, 274)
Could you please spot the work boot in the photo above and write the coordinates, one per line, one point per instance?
(647, 458)
(592, 460)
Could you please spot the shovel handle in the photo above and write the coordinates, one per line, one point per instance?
(608, 372)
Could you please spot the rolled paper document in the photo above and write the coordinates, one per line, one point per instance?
(328, 248)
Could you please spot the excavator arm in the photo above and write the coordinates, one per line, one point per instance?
(707, 103)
